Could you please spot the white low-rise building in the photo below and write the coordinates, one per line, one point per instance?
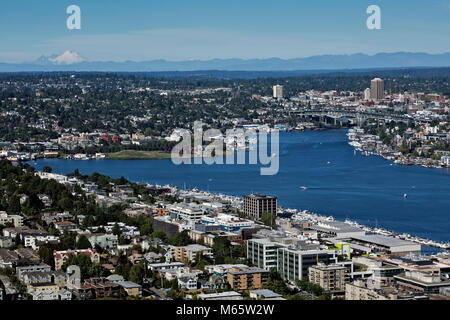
(227, 222)
(445, 160)
(16, 220)
(34, 241)
(229, 295)
(186, 211)
(52, 176)
(188, 283)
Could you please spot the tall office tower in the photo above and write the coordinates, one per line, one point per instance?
(256, 204)
(377, 89)
(367, 94)
(278, 92)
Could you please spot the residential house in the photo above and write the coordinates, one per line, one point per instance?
(48, 291)
(28, 255)
(51, 217)
(216, 282)
(115, 278)
(5, 242)
(135, 257)
(188, 283)
(8, 259)
(146, 242)
(65, 226)
(22, 271)
(222, 269)
(55, 277)
(131, 288)
(10, 292)
(97, 288)
(46, 200)
(162, 267)
(152, 257)
(188, 253)
(103, 240)
(24, 234)
(62, 256)
(62, 294)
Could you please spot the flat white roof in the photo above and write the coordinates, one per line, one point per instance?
(219, 295)
(384, 240)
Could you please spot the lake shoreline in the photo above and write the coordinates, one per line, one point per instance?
(358, 187)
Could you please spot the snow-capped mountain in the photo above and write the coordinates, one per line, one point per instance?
(66, 58)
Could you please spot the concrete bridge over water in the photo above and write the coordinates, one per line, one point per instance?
(333, 116)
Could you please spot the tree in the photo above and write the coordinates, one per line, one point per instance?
(123, 270)
(14, 205)
(296, 296)
(200, 262)
(268, 219)
(17, 240)
(47, 169)
(67, 240)
(64, 204)
(76, 173)
(310, 287)
(146, 228)
(180, 239)
(160, 234)
(122, 240)
(46, 255)
(225, 252)
(174, 295)
(97, 270)
(276, 283)
(137, 273)
(83, 242)
(136, 247)
(116, 230)
(82, 261)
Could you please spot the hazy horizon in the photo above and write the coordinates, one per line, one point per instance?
(86, 59)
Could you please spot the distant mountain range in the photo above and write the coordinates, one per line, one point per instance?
(71, 61)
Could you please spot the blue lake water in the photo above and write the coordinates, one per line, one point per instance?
(341, 184)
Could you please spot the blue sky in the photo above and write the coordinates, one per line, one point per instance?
(139, 30)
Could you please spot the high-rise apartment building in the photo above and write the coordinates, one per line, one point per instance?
(257, 204)
(377, 89)
(367, 94)
(278, 92)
